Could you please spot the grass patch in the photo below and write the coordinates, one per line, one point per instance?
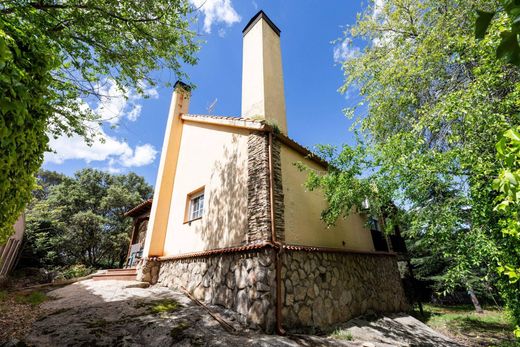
(491, 328)
(163, 306)
(340, 334)
(33, 298)
(159, 306)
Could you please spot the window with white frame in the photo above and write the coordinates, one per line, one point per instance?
(195, 205)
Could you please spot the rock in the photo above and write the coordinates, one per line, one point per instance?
(256, 312)
(289, 300)
(288, 286)
(261, 274)
(251, 278)
(261, 287)
(299, 293)
(316, 290)
(241, 277)
(230, 280)
(253, 294)
(249, 264)
(294, 277)
(265, 260)
(310, 292)
(199, 293)
(242, 302)
(305, 316)
(317, 311)
(302, 274)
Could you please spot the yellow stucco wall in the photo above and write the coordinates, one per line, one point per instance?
(214, 157)
(302, 212)
(155, 237)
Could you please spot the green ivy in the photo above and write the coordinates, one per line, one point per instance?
(26, 62)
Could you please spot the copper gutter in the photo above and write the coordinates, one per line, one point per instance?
(217, 251)
(278, 246)
(336, 250)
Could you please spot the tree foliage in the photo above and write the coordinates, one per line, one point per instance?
(54, 54)
(508, 207)
(508, 153)
(80, 220)
(435, 101)
(26, 62)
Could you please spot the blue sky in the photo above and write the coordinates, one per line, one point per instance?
(134, 127)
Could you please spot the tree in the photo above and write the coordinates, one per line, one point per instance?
(54, 54)
(80, 220)
(437, 100)
(508, 153)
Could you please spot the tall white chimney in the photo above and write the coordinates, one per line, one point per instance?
(262, 76)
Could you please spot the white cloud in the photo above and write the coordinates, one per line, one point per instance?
(216, 11)
(134, 113)
(75, 147)
(345, 51)
(143, 155)
(116, 102)
(111, 149)
(114, 105)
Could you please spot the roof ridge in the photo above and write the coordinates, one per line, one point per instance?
(224, 117)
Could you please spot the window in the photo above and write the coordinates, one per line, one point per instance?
(195, 205)
(378, 237)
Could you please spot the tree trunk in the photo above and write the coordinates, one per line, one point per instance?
(474, 300)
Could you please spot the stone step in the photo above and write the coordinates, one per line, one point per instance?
(116, 277)
(121, 271)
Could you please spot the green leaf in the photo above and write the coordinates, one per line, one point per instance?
(482, 23)
(508, 49)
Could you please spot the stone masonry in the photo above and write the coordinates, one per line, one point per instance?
(258, 199)
(279, 207)
(258, 205)
(321, 288)
(243, 282)
(148, 271)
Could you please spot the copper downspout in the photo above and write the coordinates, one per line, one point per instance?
(278, 247)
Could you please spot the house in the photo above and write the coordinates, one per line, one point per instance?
(232, 223)
(140, 215)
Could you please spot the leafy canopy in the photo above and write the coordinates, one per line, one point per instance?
(80, 220)
(54, 54)
(435, 101)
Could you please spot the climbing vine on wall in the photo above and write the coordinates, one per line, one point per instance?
(26, 61)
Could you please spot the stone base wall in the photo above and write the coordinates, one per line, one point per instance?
(242, 282)
(148, 271)
(321, 289)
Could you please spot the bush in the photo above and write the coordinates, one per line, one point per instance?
(74, 271)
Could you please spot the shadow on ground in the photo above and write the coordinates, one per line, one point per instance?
(108, 313)
(118, 313)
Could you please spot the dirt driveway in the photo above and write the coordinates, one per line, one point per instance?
(118, 313)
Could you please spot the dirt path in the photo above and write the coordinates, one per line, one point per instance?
(117, 313)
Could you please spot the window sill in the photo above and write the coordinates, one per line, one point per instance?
(191, 220)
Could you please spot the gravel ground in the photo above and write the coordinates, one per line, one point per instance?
(120, 313)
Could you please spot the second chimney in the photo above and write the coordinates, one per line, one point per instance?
(262, 76)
